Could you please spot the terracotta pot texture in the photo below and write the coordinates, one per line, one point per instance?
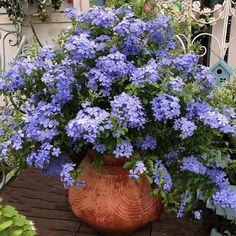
(111, 202)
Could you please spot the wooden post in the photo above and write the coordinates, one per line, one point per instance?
(217, 31)
(82, 5)
(232, 46)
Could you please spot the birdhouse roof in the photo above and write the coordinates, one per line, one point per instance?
(224, 65)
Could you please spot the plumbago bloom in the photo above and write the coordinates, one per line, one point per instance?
(162, 177)
(117, 84)
(128, 111)
(185, 127)
(88, 124)
(165, 107)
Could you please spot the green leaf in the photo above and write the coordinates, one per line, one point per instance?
(5, 224)
(145, 101)
(128, 165)
(155, 191)
(16, 232)
(29, 233)
(8, 211)
(20, 221)
(150, 180)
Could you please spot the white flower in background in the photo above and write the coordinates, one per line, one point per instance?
(196, 6)
(206, 11)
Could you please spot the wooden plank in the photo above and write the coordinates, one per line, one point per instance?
(217, 31)
(43, 200)
(82, 5)
(169, 225)
(232, 46)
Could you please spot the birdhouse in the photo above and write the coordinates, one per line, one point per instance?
(222, 71)
(98, 2)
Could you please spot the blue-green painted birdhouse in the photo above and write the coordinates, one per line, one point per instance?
(222, 71)
(98, 2)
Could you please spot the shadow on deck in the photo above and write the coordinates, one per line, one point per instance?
(44, 200)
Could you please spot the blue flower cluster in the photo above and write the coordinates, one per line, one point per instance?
(66, 176)
(198, 214)
(177, 83)
(60, 82)
(193, 165)
(185, 126)
(146, 74)
(183, 203)
(203, 74)
(41, 157)
(165, 107)
(14, 79)
(139, 169)
(128, 111)
(161, 32)
(89, 123)
(224, 196)
(108, 68)
(216, 120)
(39, 124)
(125, 149)
(97, 17)
(162, 177)
(149, 142)
(81, 47)
(185, 62)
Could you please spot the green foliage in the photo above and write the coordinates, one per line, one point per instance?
(14, 224)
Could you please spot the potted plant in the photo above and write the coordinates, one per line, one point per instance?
(117, 87)
(13, 223)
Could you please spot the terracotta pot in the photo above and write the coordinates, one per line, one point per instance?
(111, 202)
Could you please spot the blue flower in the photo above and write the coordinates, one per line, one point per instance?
(89, 123)
(41, 157)
(39, 124)
(128, 111)
(47, 53)
(140, 168)
(218, 177)
(193, 165)
(177, 83)
(146, 74)
(81, 47)
(183, 203)
(149, 142)
(125, 149)
(185, 62)
(133, 174)
(101, 148)
(56, 151)
(165, 107)
(161, 176)
(226, 198)
(66, 175)
(60, 82)
(185, 126)
(198, 214)
(160, 29)
(197, 110)
(130, 27)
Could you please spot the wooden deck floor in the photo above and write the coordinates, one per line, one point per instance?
(44, 200)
